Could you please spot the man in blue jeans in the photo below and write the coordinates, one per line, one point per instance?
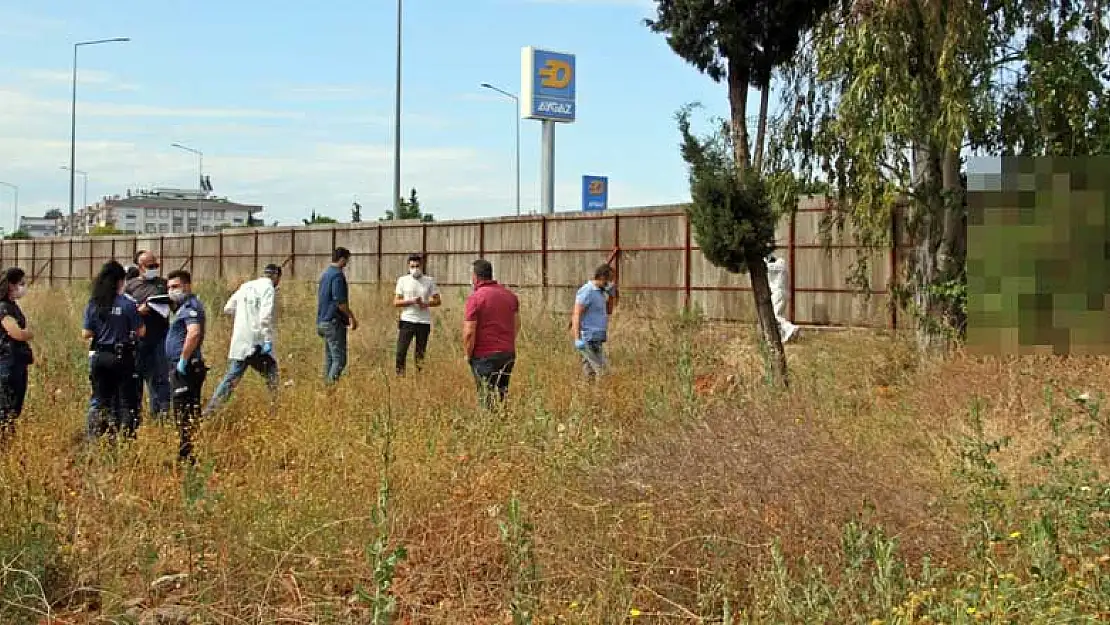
(153, 367)
(252, 336)
(590, 321)
(333, 314)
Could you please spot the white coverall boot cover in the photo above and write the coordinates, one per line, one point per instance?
(776, 275)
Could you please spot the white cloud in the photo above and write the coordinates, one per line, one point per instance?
(104, 81)
(327, 93)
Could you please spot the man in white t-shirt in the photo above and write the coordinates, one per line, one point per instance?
(416, 295)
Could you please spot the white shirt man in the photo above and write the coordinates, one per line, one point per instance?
(416, 294)
(252, 335)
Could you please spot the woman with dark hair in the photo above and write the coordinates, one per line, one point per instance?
(112, 326)
(15, 351)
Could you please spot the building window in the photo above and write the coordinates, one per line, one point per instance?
(178, 222)
(151, 228)
(206, 214)
(237, 220)
(192, 225)
(163, 228)
(163, 213)
(206, 228)
(221, 214)
(151, 212)
(129, 216)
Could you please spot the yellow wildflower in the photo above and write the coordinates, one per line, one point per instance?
(634, 613)
(1015, 535)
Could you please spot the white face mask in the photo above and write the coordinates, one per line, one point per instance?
(19, 291)
(177, 296)
(415, 272)
(150, 274)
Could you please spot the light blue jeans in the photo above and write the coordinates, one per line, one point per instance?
(334, 334)
(263, 364)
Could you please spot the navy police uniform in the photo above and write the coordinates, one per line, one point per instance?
(186, 388)
(112, 374)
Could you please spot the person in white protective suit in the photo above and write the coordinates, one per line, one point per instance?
(776, 275)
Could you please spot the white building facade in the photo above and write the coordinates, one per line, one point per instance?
(40, 227)
(169, 211)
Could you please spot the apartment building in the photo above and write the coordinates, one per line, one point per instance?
(169, 211)
(40, 227)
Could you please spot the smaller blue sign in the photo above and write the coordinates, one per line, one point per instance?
(595, 193)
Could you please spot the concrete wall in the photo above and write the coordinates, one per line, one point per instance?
(655, 253)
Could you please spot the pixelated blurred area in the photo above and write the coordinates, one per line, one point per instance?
(1038, 257)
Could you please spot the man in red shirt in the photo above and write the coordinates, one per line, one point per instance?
(490, 326)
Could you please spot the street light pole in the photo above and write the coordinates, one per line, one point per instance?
(200, 178)
(73, 120)
(84, 186)
(397, 124)
(516, 117)
(15, 204)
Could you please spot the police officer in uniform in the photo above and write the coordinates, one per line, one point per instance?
(154, 370)
(15, 348)
(183, 343)
(113, 326)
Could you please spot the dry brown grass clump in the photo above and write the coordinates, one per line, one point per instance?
(657, 492)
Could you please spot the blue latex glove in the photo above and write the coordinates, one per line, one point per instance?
(182, 366)
(267, 348)
(579, 344)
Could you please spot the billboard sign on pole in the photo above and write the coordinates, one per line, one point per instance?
(595, 193)
(547, 85)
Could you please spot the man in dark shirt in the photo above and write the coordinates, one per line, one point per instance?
(153, 368)
(333, 314)
(183, 350)
(490, 326)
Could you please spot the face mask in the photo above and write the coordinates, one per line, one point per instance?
(177, 296)
(20, 291)
(414, 272)
(151, 274)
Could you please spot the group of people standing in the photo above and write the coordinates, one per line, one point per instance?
(146, 332)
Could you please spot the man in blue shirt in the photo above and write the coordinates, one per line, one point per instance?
(333, 314)
(590, 321)
(183, 351)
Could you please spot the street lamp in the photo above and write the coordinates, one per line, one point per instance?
(516, 116)
(15, 204)
(200, 176)
(73, 117)
(397, 123)
(84, 185)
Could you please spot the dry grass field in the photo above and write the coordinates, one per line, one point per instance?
(682, 489)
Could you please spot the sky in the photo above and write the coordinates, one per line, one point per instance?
(292, 102)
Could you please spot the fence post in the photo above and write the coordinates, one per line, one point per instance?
(687, 262)
(424, 244)
(220, 255)
(255, 273)
(792, 267)
(378, 277)
(113, 248)
(192, 252)
(617, 248)
(893, 280)
(543, 256)
(481, 239)
(34, 260)
(293, 253)
(50, 244)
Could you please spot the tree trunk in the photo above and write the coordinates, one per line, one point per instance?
(768, 323)
(761, 131)
(739, 75)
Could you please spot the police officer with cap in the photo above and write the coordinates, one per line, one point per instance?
(183, 351)
(252, 336)
(112, 325)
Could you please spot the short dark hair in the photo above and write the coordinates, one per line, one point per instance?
(603, 271)
(272, 271)
(340, 253)
(417, 257)
(180, 274)
(11, 277)
(135, 258)
(483, 269)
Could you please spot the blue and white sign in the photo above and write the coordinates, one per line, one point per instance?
(547, 81)
(595, 193)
